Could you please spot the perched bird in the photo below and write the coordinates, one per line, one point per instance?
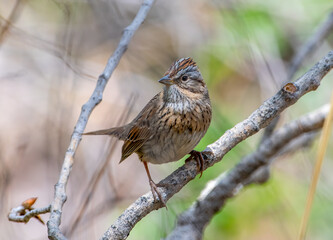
(171, 124)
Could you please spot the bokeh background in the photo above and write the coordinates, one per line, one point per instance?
(51, 53)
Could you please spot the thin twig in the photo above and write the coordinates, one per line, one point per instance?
(313, 42)
(15, 214)
(303, 141)
(58, 50)
(96, 97)
(99, 171)
(262, 174)
(11, 19)
(259, 119)
(191, 223)
(323, 142)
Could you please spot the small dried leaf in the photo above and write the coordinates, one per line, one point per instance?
(290, 88)
(27, 204)
(40, 219)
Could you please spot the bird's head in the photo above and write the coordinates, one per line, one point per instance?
(184, 74)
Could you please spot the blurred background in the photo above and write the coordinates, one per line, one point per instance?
(51, 54)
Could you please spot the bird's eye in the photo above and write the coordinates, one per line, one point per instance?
(184, 78)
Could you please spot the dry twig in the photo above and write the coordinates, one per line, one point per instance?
(25, 211)
(99, 171)
(96, 97)
(312, 43)
(316, 171)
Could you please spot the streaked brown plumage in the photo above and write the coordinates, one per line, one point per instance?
(172, 123)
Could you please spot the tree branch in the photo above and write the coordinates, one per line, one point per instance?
(25, 211)
(259, 119)
(262, 174)
(191, 223)
(96, 97)
(322, 31)
(15, 214)
(99, 172)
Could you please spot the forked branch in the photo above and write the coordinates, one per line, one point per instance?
(25, 211)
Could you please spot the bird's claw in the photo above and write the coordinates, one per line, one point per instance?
(198, 157)
(156, 193)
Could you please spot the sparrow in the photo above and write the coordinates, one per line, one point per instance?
(171, 124)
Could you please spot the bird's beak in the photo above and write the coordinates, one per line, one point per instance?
(166, 80)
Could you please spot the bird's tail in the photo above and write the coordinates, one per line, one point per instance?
(116, 132)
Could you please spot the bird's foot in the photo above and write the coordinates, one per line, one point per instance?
(156, 193)
(153, 186)
(198, 157)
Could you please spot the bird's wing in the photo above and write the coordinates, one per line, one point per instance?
(135, 139)
(141, 127)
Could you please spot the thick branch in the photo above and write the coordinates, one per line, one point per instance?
(191, 223)
(259, 119)
(322, 31)
(262, 174)
(60, 188)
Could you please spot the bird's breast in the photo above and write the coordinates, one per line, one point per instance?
(177, 133)
(189, 118)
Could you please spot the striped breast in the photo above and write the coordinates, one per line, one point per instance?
(178, 132)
